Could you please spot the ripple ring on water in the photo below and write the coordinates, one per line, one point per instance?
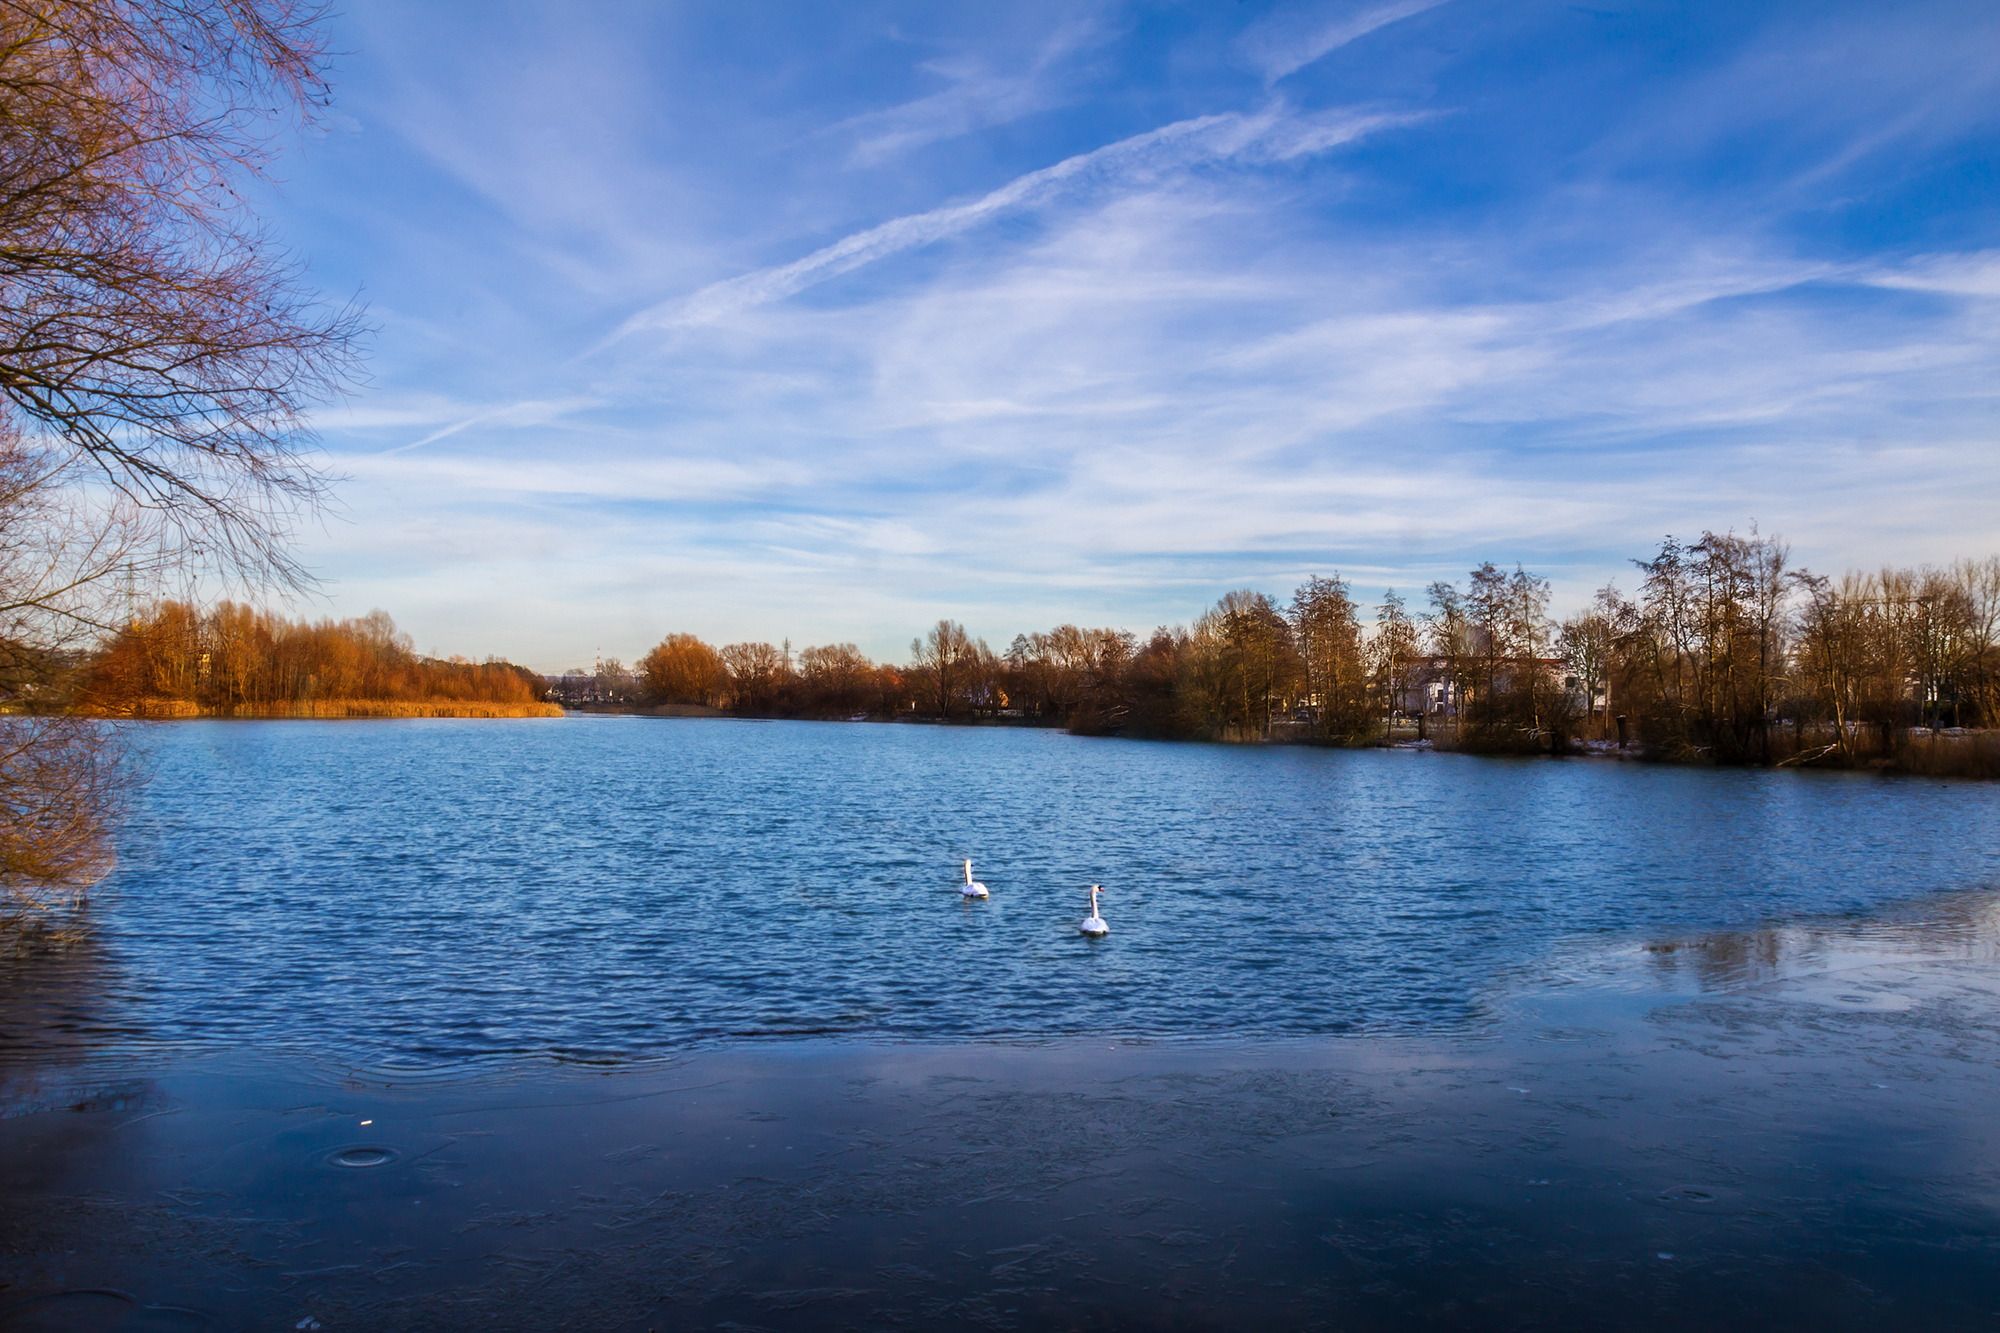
(362, 1156)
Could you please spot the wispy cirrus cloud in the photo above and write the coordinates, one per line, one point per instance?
(1973, 274)
(516, 415)
(1285, 44)
(1272, 135)
(975, 98)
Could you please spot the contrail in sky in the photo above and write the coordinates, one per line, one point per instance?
(1270, 135)
(1267, 136)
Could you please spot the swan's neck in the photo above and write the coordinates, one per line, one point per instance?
(968, 872)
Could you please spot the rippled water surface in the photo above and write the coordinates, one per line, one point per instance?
(428, 892)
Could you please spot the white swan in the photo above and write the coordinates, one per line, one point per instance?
(972, 888)
(1093, 925)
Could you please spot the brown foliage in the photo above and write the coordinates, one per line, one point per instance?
(62, 783)
(1723, 644)
(759, 679)
(1147, 690)
(238, 661)
(1704, 651)
(837, 679)
(1899, 648)
(1334, 666)
(759, 676)
(684, 670)
(1237, 669)
(1069, 674)
(952, 673)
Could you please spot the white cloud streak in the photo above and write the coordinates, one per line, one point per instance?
(526, 412)
(1973, 274)
(1273, 135)
(1287, 45)
(976, 99)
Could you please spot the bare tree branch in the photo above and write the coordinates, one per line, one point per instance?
(148, 323)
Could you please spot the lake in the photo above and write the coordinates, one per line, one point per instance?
(609, 888)
(626, 1023)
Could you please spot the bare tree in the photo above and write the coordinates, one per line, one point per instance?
(1587, 643)
(1448, 636)
(1395, 650)
(1488, 609)
(62, 779)
(944, 664)
(1235, 667)
(1978, 674)
(1528, 631)
(1326, 630)
(758, 673)
(1712, 639)
(64, 563)
(148, 322)
(836, 678)
(1832, 651)
(153, 334)
(1059, 672)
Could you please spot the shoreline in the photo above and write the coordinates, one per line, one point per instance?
(1973, 755)
(1982, 747)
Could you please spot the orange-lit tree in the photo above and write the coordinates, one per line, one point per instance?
(682, 669)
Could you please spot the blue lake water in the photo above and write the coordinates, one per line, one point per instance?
(600, 888)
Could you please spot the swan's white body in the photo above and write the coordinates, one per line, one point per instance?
(972, 888)
(1094, 924)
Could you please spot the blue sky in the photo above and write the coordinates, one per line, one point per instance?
(820, 322)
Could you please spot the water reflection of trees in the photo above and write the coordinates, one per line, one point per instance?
(53, 1004)
(1957, 925)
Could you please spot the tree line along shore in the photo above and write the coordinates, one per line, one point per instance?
(1723, 652)
(236, 661)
